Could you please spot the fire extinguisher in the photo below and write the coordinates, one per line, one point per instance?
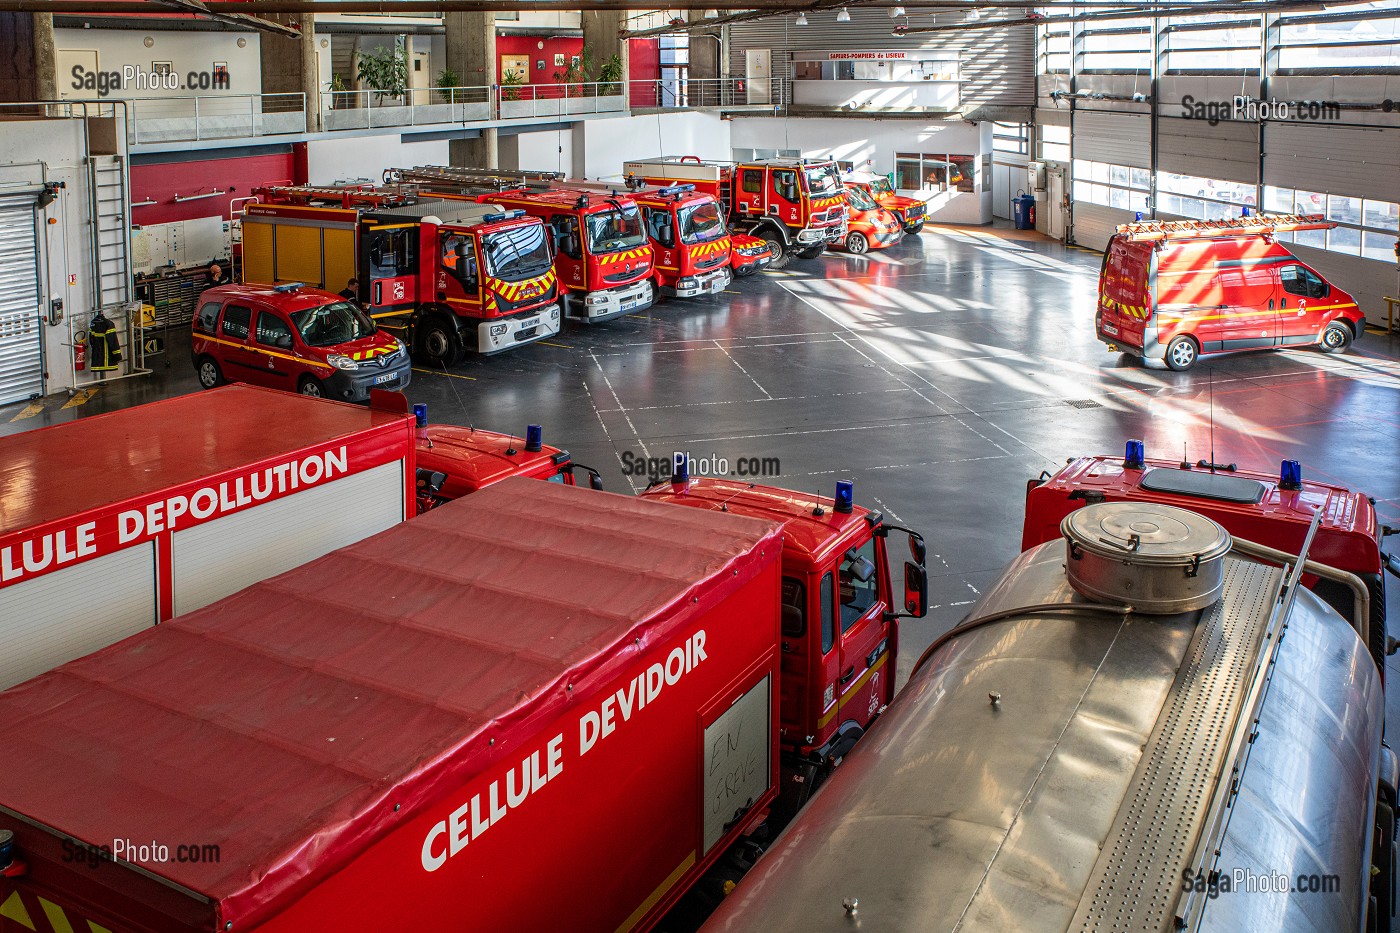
(80, 351)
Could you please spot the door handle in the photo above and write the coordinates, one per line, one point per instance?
(846, 677)
(1271, 304)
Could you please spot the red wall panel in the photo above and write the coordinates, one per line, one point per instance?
(644, 60)
(530, 45)
(237, 176)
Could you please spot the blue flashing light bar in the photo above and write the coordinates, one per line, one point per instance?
(420, 414)
(1290, 475)
(845, 496)
(288, 287)
(676, 189)
(507, 215)
(534, 438)
(1135, 455)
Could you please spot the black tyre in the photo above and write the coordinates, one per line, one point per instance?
(856, 243)
(440, 343)
(781, 257)
(812, 252)
(210, 375)
(1335, 339)
(311, 386)
(1181, 354)
(915, 227)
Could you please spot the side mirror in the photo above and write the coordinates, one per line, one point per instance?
(915, 590)
(918, 550)
(595, 481)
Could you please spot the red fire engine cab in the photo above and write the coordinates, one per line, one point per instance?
(1273, 510)
(603, 255)
(797, 206)
(452, 276)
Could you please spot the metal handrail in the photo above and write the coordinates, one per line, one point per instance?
(199, 108)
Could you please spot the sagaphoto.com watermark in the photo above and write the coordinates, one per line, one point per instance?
(1247, 881)
(1245, 108)
(683, 462)
(160, 77)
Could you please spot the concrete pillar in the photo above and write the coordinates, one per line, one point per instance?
(289, 67)
(45, 58)
(706, 64)
(601, 42)
(470, 51)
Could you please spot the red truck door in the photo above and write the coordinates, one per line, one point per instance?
(749, 194)
(1301, 292)
(568, 247)
(236, 357)
(860, 611)
(1247, 309)
(272, 344)
(785, 198)
(389, 258)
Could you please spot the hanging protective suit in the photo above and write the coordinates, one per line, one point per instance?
(104, 349)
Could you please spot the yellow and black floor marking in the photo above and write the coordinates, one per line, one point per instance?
(38, 406)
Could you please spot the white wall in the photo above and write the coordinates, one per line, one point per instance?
(548, 151)
(367, 157)
(872, 143)
(65, 245)
(186, 52)
(601, 146)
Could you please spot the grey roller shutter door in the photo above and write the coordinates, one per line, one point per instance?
(1114, 138)
(213, 560)
(68, 613)
(21, 355)
(1351, 160)
(1095, 223)
(1228, 151)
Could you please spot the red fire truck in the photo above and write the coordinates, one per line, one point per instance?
(796, 205)
(92, 550)
(441, 709)
(689, 239)
(1171, 291)
(1274, 510)
(604, 258)
(455, 276)
(455, 461)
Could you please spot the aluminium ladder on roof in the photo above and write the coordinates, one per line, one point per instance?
(1158, 230)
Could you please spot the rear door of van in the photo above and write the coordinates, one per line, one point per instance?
(1125, 300)
(1248, 296)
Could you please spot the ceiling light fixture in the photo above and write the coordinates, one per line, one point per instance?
(712, 14)
(843, 16)
(896, 12)
(973, 15)
(801, 19)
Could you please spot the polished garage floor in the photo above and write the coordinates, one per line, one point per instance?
(938, 375)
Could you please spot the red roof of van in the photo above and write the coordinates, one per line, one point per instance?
(300, 721)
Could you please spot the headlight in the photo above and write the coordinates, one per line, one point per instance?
(686, 282)
(597, 299)
(340, 361)
(499, 330)
(402, 347)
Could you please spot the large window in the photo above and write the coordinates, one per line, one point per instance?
(1202, 198)
(1112, 185)
(1365, 227)
(1010, 137)
(1054, 49)
(1054, 143)
(1343, 40)
(1208, 44)
(1117, 48)
(920, 172)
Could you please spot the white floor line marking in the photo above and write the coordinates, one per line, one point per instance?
(743, 370)
(620, 407)
(886, 509)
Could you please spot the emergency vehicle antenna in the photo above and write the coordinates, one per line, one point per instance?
(1211, 464)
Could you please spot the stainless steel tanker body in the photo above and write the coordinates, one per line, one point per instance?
(1059, 764)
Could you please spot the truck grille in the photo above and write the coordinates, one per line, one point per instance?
(507, 306)
(621, 276)
(711, 262)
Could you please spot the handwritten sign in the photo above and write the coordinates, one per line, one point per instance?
(737, 768)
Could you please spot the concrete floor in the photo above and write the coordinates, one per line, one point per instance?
(938, 375)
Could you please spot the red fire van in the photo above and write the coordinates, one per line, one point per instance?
(1171, 291)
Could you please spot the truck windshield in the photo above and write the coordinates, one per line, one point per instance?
(860, 200)
(517, 254)
(327, 325)
(822, 181)
(881, 185)
(614, 230)
(701, 223)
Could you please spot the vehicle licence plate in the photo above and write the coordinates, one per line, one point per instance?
(629, 305)
(385, 377)
(1110, 330)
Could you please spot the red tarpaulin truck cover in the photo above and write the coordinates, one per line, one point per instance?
(346, 706)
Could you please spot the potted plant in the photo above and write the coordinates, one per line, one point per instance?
(447, 80)
(610, 77)
(339, 99)
(511, 80)
(385, 71)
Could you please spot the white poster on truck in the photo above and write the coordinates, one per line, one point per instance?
(737, 767)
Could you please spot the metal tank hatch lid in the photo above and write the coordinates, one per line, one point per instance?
(1145, 533)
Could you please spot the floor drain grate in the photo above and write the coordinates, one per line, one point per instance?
(1083, 403)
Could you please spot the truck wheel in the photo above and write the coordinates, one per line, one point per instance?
(856, 243)
(209, 373)
(915, 227)
(1336, 338)
(311, 386)
(1181, 354)
(812, 252)
(439, 343)
(781, 257)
